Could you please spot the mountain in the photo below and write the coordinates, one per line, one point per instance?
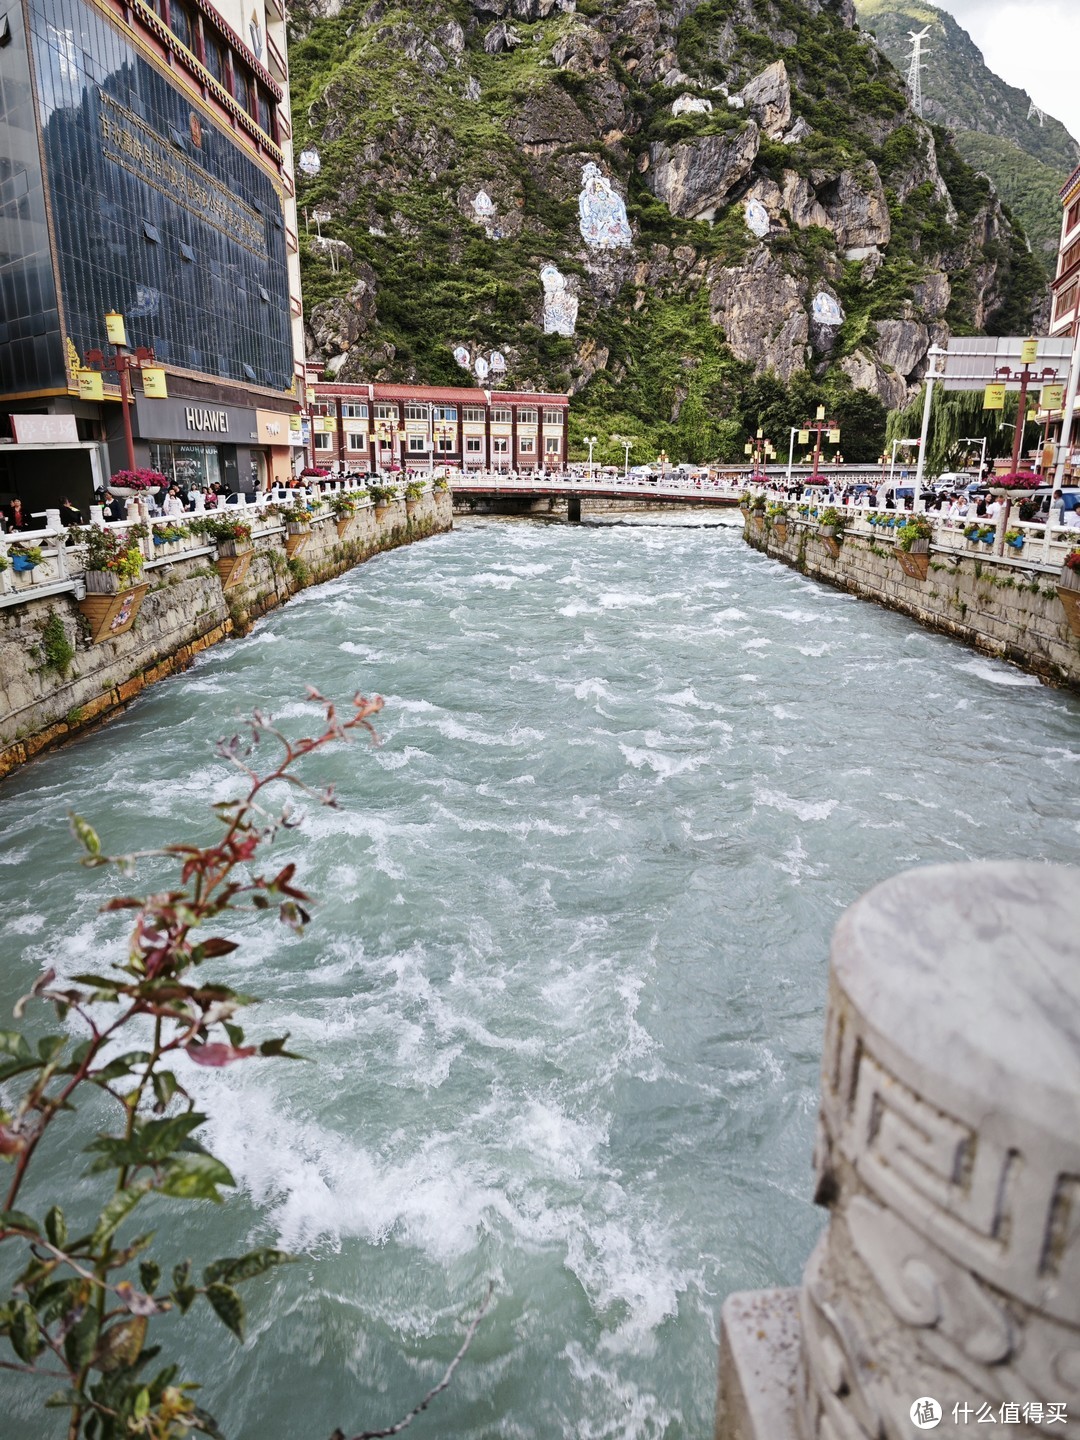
(699, 216)
(992, 126)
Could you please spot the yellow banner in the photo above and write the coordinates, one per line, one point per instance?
(90, 387)
(323, 424)
(994, 397)
(820, 413)
(1028, 351)
(1052, 397)
(114, 329)
(834, 437)
(804, 437)
(153, 382)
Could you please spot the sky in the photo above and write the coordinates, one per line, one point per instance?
(1033, 44)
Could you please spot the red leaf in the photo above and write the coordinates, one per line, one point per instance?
(217, 1055)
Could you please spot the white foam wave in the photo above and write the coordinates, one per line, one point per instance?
(802, 809)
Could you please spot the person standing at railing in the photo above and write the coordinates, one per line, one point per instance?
(68, 514)
(16, 517)
(114, 507)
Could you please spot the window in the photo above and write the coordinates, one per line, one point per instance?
(385, 412)
(353, 410)
(446, 444)
(500, 445)
(1073, 216)
(474, 445)
(186, 251)
(265, 110)
(182, 23)
(552, 445)
(151, 232)
(1065, 303)
(356, 440)
(553, 417)
(323, 442)
(527, 445)
(444, 412)
(416, 412)
(1071, 256)
(526, 417)
(500, 415)
(240, 87)
(215, 55)
(473, 414)
(418, 444)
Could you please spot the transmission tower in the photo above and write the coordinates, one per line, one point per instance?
(1033, 109)
(915, 69)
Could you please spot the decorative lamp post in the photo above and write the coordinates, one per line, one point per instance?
(590, 441)
(979, 440)
(819, 425)
(120, 363)
(662, 460)
(933, 355)
(628, 445)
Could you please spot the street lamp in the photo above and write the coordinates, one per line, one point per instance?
(627, 445)
(933, 355)
(120, 363)
(977, 440)
(661, 460)
(590, 441)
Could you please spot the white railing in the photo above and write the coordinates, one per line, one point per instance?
(63, 559)
(1044, 546)
(720, 489)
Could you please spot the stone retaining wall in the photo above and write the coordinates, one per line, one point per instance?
(1013, 612)
(185, 611)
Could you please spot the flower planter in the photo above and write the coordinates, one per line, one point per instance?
(111, 613)
(233, 547)
(1069, 595)
(381, 507)
(827, 532)
(915, 562)
(411, 507)
(780, 526)
(1070, 579)
(21, 565)
(344, 525)
(296, 539)
(102, 582)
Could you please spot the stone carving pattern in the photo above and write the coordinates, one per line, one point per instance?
(601, 212)
(310, 162)
(757, 218)
(827, 309)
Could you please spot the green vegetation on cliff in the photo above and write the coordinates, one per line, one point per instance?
(414, 113)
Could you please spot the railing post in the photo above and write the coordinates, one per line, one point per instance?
(947, 1156)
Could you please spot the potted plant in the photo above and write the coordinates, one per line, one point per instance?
(169, 534)
(414, 492)
(114, 565)
(441, 485)
(343, 505)
(986, 534)
(381, 496)
(136, 482)
(1015, 483)
(971, 534)
(914, 536)
(830, 523)
(1015, 538)
(26, 557)
(1070, 571)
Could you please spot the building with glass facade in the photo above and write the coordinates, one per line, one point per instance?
(146, 169)
(384, 427)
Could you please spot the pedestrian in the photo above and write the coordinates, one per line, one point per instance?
(114, 507)
(68, 514)
(1056, 514)
(16, 517)
(173, 504)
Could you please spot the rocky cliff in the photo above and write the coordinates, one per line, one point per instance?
(698, 215)
(1028, 156)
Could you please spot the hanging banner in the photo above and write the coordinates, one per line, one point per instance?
(153, 382)
(90, 387)
(820, 413)
(1052, 397)
(1028, 351)
(804, 437)
(834, 437)
(994, 397)
(114, 329)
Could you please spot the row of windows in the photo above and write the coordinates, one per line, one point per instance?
(444, 445)
(470, 414)
(223, 63)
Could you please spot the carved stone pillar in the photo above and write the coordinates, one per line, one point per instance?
(948, 1156)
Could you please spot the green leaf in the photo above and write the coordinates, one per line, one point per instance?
(228, 1307)
(195, 1177)
(119, 1347)
(121, 1065)
(149, 1276)
(13, 1043)
(185, 1296)
(24, 1332)
(276, 1047)
(234, 1032)
(18, 1220)
(142, 1404)
(56, 1227)
(81, 1339)
(64, 1399)
(120, 1206)
(256, 1262)
(85, 834)
(17, 1067)
(49, 1046)
(165, 1086)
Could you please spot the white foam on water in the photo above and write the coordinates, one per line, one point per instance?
(802, 809)
(998, 673)
(814, 652)
(663, 766)
(760, 644)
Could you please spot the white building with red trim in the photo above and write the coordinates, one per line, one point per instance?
(368, 427)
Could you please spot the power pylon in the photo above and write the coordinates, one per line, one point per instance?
(915, 69)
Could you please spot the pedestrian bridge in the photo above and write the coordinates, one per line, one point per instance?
(671, 489)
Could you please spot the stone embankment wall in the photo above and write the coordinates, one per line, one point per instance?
(1011, 611)
(185, 611)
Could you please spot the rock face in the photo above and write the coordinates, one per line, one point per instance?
(762, 313)
(694, 178)
(734, 181)
(768, 98)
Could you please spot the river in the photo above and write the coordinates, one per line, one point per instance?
(563, 996)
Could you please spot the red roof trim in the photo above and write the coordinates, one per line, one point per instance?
(526, 397)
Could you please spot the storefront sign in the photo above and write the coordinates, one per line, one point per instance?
(46, 429)
(275, 427)
(174, 419)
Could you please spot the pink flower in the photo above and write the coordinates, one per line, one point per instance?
(218, 1054)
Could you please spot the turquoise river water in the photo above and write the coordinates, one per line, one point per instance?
(564, 994)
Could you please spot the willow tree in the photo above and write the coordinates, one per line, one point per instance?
(955, 416)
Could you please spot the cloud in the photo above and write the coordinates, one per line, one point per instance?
(1032, 44)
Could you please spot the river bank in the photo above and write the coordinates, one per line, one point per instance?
(57, 680)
